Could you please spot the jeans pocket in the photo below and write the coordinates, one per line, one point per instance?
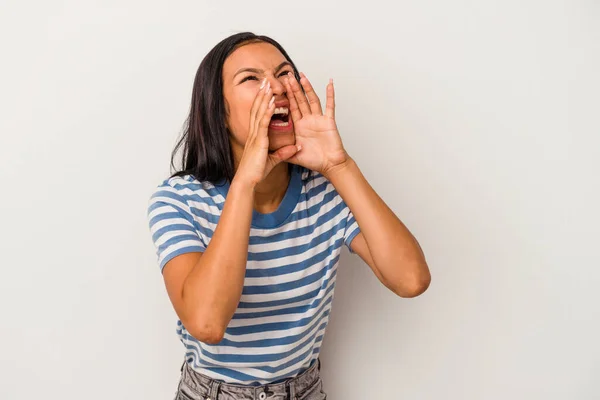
(183, 396)
(314, 392)
(183, 393)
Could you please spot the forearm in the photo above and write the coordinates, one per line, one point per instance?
(395, 252)
(213, 288)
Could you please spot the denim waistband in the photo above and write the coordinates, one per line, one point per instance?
(197, 386)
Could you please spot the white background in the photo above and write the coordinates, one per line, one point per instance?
(478, 123)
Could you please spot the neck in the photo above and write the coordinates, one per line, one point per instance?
(269, 193)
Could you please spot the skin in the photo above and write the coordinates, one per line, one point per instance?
(205, 288)
(240, 89)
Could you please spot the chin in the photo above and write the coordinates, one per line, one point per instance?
(279, 140)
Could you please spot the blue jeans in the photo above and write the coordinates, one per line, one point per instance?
(306, 386)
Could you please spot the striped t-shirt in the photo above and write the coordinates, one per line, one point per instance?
(293, 255)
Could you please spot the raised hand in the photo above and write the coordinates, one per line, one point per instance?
(256, 162)
(316, 132)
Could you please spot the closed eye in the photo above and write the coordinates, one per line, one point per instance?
(254, 78)
(249, 77)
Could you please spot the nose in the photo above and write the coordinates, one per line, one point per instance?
(276, 86)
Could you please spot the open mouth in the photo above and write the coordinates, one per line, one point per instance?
(280, 118)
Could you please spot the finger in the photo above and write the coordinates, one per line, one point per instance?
(294, 159)
(265, 116)
(258, 100)
(313, 99)
(284, 153)
(330, 103)
(299, 95)
(294, 110)
(262, 108)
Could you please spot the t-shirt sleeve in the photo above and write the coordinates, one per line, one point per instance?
(352, 229)
(172, 226)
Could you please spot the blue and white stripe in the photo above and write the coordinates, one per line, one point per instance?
(293, 256)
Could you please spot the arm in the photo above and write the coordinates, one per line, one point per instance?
(384, 243)
(205, 288)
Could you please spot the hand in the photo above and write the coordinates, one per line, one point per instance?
(316, 133)
(256, 162)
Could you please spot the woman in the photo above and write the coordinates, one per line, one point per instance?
(249, 233)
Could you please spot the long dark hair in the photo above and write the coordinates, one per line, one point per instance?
(207, 152)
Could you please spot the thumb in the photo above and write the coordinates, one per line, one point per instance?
(284, 153)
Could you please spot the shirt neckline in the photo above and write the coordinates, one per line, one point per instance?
(290, 199)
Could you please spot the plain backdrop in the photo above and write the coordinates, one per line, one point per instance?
(478, 122)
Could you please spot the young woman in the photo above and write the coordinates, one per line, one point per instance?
(249, 233)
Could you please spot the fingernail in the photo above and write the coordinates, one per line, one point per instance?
(299, 147)
(268, 86)
(331, 80)
(263, 83)
(271, 101)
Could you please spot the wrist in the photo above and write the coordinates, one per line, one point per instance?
(242, 186)
(340, 169)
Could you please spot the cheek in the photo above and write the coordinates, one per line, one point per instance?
(239, 115)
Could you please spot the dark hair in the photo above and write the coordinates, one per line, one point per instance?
(207, 151)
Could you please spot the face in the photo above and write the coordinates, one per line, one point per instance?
(243, 72)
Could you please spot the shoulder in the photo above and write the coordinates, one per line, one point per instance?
(317, 186)
(313, 179)
(185, 192)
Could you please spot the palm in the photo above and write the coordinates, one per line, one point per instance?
(320, 141)
(316, 131)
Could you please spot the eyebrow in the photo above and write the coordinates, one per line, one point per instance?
(259, 71)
